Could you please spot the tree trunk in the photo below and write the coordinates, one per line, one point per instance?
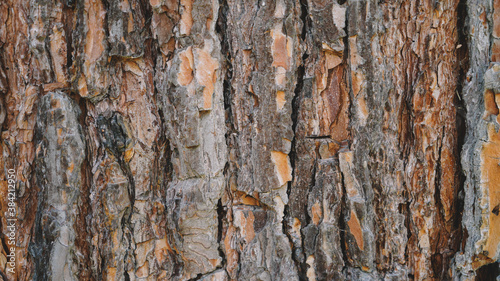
(250, 140)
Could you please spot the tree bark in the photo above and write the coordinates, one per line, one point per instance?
(250, 140)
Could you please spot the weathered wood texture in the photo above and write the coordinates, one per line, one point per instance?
(251, 140)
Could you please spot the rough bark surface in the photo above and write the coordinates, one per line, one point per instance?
(251, 140)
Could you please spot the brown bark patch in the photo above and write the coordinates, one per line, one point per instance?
(205, 75)
(355, 229)
(185, 75)
(490, 174)
(283, 167)
(280, 100)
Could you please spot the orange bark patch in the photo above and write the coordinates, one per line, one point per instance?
(186, 17)
(59, 136)
(357, 81)
(82, 87)
(328, 150)
(161, 250)
(116, 240)
(316, 213)
(243, 198)
(490, 104)
(279, 54)
(214, 262)
(249, 230)
(362, 109)
(496, 18)
(129, 153)
(296, 226)
(111, 273)
(332, 59)
(231, 253)
(205, 75)
(353, 51)
(134, 66)
(497, 100)
(94, 45)
(355, 229)
(185, 75)
(244, 220)
(143, 271)
(283, 167)
(130, 25)
(280, 100)
(54, 86)
(346, 162)
(495, 50)
(281, 49)
(490, 176)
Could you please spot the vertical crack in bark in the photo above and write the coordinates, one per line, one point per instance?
(50, 59)
(342, 224)
(292, 156)
(221, 214)
(287, 221)
(221, 29)
(405, 210)
(406, 138)
(342, 228)
(461, 114)
(82, 235)
(68, 14)
(222, 211)
(127, 226)
(438, 265)
(84, 208)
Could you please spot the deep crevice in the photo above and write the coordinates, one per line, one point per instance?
(342, 223)
(68, 14)
(221, 214)
(438, 265)
(459, 233)
(199, 276)
(461, 110)
(286, 224)
(82, 220)
(292, 156)
(343, 200)
(221, 30)
(488, 272)
(327, 137)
